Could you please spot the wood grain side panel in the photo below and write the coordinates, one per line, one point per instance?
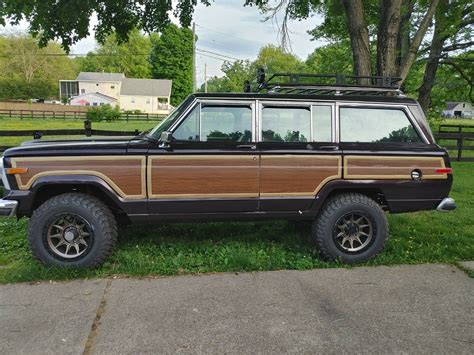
(390, 167)
(203, 176)
(297, 175)
(126, 175)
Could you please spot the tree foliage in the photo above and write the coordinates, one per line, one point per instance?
(171, 58)
(27, 71)
(130, 58)
(69, 20)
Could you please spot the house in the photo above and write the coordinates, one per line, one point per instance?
(95, 89)
(459, 110)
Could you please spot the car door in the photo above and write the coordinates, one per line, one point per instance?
(211, 165)
(299, 153)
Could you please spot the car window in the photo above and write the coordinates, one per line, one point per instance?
(188, 130)
(217, 123)
(226, 123)
(322, 123)
(286, 124)
(376, 125)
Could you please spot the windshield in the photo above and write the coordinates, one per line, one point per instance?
(168, 121)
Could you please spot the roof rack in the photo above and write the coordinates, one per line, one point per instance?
(327, 84)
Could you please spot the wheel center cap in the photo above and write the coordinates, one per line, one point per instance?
(70, 235)
(352, 230)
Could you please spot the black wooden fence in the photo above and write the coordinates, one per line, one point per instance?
(87, 131)
(33, 114)
(457, 139)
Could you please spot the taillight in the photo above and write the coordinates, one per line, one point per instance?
(444, 171)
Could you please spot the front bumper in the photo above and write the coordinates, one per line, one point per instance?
(8, 208)
(448, 204)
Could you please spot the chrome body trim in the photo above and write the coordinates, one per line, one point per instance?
(448, 204)
(8, 208)
(3, 174)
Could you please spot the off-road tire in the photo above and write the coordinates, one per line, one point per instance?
(91, 209)
(323, 229)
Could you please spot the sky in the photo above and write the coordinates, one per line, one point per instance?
(228, 29)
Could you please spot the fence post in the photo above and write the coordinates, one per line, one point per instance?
(460, 144)
(88, 128)
(32, 114)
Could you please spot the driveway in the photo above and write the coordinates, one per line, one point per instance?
(413, 309)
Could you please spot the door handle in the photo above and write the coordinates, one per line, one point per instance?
(329, 147)
(247, 147)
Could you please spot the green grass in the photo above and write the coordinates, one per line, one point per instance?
(15, 124)
(423, 237)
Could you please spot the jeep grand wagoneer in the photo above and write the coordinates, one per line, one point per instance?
(340, 155)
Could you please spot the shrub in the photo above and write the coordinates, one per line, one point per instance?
(104, 112)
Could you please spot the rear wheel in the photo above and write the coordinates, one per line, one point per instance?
(72, 230)
(350, 227)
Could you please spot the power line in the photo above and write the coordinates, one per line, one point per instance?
(218, 54)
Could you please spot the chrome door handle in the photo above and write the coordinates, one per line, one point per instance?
(247, 146)
(329, 147)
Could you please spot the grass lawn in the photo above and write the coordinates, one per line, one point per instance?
(219, 247)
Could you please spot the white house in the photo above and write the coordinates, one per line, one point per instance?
(95, 89)
(459, 110)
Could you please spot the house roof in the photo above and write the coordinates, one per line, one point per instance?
(146, 87)
(106, 97)
(91, 76)
(451, 105)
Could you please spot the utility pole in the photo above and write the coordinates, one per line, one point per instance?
(205, 77)
(194, 57)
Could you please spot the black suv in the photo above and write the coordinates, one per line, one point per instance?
(340, 155)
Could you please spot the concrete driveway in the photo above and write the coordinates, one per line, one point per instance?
(412, 309)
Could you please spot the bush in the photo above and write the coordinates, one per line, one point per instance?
(104, 112)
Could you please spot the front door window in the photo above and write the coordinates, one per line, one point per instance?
(215, 123)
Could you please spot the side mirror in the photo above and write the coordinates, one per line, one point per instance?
(166, 137)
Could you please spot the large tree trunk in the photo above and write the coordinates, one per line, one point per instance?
(403, 41)
(359, 36)
(416, 42)
(436, 48)
(387, 36)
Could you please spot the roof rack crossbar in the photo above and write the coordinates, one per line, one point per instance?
(328, 84)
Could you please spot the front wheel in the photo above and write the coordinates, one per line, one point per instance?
(72, 230)
(351, 227)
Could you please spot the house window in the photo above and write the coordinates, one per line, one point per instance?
(94, 104)
(112, 87)
(148, 101)
(133, 100)
(96, 84)
(83, 91)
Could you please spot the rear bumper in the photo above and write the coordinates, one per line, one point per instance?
(448, 204)
(8, 208)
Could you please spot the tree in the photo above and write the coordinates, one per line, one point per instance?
(453, 21)
(331, 59)
(69, 21)
(171, 58)
(130, 58)
(274, 59)
(235, 75)
(26, 71)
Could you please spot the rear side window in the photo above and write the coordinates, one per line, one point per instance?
(297, 124)
(376, 125)
(286, 124)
